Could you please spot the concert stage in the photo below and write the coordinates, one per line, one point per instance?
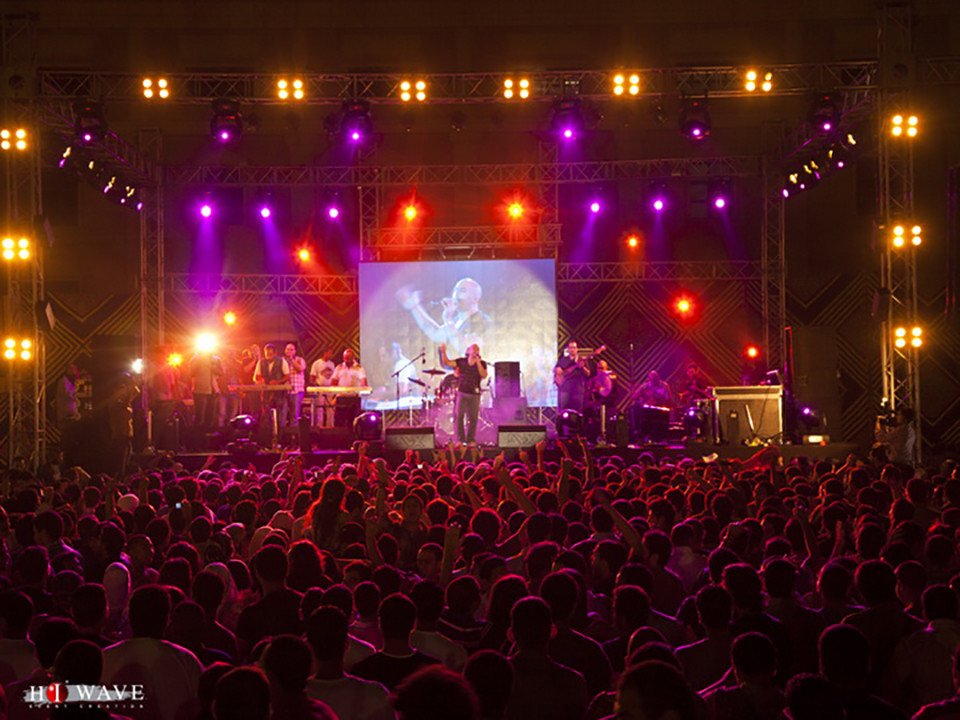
(264, 460)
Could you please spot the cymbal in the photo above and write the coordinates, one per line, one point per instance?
(434, 371)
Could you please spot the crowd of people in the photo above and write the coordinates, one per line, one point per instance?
(454, 586)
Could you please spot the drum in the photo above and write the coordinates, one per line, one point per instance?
(444, 420)
(447, 388)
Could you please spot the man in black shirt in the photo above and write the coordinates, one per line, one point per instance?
(570, 375)
(469, 371)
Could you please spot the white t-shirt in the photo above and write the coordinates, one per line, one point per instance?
(356, 651)
(354, 376)
(169, 673)
(352, 697)
(451, 654)
(318, 369)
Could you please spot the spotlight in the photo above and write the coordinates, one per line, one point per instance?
(684, 307)
(174, 359)
(226, 125)
(624, 85)
(900, 233)
(333, 212)
(720, 195)
(368, 426)
(356, 123)
(695, 121)
(658, 203)
(809, 417)
(900, 337)
(158, 88)
(243, 426)
(410, 212)
(287, 89)
(265, 212)
(633, 242)
(569, 423)
(137, 366)
(823, 113)
(205, 343)
(410, 90)
(19, 249)
(10, 139)
(17, 348)
(519, 88)
(904, 125)
(230, 318)
(754, 80)
(303, 255)
(515, 210)
(206, 210)
(914, 337)
(695, 422)
(595, 207)
(752, 352)
(719, 202)
(89, 123)
(567, 118)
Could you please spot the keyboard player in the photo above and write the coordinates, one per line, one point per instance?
(351, 374)
(273, 370)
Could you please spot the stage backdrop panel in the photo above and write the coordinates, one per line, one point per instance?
(402, 308)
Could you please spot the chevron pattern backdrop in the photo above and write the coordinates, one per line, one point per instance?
(633, 319)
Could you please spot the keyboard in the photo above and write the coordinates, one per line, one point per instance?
(337, 390)
(258, 388)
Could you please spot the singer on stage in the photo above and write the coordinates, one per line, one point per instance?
(462, 323)
(469, 371)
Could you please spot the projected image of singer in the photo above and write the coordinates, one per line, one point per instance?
(469, 371)
(461, 324)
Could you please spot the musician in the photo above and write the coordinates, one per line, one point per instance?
(250, 402)
(297, 386)
(570, 375)
(273, 370)
(462, 323)
(469, 371)
(321, 375)
(349, 373)
(655, 392)
(206, 375)
(692, 387)
(601, 384)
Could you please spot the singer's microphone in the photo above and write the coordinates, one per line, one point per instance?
(423, 356)
(435, 303)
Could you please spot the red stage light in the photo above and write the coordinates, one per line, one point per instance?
(684, 306)
(752, 352)
(515, 210)
(633, 242)
(303, 255)
(410, 212)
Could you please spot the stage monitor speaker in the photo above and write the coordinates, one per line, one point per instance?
(410, 438)
(747, 413)
(506, 379)
(509, 410)
(520, 436)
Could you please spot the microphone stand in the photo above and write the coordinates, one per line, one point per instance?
(396, 375)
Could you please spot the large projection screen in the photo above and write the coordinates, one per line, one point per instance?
(508, 307)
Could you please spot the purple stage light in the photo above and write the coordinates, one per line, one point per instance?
(807, 410)
(139, 206)
(595, 207)
(840, 163)
(224, 136)
(265, 212)
(826, 126)
(720, 202)
(333, 212)
(88, 137)
(785, 192)
(568, 133)
(659, 204)
(355, 136)
(206, 210)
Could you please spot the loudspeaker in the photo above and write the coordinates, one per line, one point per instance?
(746, 413)
(506, 379)
(520, 436)
(303, 435)
(410, 438)
(509, 410)
(816, 369)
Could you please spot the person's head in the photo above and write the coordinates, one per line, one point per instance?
(939, 602)
(714, 607)
(149, 611)
(466, 294)
(473, 350)
(434, 692)
(834, 582)
(242, 694)
(79, 661)
(572, 350)
(463, 595)
(560, 592)
(876, 582)
(490, 675)
(844, 655)
(49, 637)
(654, 690)
(428, 561)
(287, 662)
(349, 358)
(290, 350)
(531, 624)
(207, 591)
(653, 377)
(427, 596)
(397, 616)
(16, 613)
(631, 608)
(270, 565)
(779, 578)
(743, 583)
(48, 526)
(269, 351)
(326, 631)
(754, 658)
(811, 697)
(90, 606)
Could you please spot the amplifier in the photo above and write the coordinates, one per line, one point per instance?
(745, 413)
(520, 436)
(410, 438)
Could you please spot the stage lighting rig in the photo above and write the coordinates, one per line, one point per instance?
(569, 424)
(516, 88)
(89, 122)
(158, 88)
(567, 119)
(754, 80)
(13, 139)
(415, 89)
(695, 122)
(287, 89)
(368, 426)
(904, 126)
(226, 125)
(18, 348)
(823, 113)
(19, 249)
(356, 123)
(904, 234)
(626, 85)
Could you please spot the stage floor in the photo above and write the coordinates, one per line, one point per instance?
(264, 460)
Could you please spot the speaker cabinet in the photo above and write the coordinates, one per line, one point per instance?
(410, 438)
(747, 413)
(520, 436)
(506, 383)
